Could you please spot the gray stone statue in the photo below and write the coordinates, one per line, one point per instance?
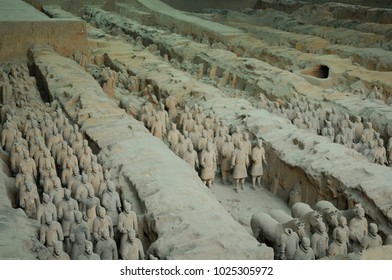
(79, 233)
(15, 158)
(127, 220)
(131, 248)
(111, 201)
(226, 154)
(66, 209)
(89, 209)
(106, 248)
(239, 163)
(338, 245)
(8, 136)
(29, 164)
(328, 131)
(190, 156)
(58, 253)
(320, 241)
(358, 226)
(173, 136)
(208, 164)
(88, 254)
(102, 222)
(258, 158)
(288, 244)
(29, 199)
(51, 181)
(46, 207)
(372, 239)
(304, 251)
(50, 232)
(343, 229)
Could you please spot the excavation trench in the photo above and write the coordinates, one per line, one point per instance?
(153, 171)
(296, 157)
(179, 217)
(378, 210)
(18, 232)
(253, 75)
(344, 9)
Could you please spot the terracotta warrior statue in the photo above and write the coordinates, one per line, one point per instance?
(343, 228)
(79, 233)
(57, 193)
(208, 164)
(89, 209)
(131, 248)
(358, 128)
(46, 207)
(338, 245)
(372, 239)
(328, 131)
(320, 241)
(226, 154)
(258, 158)
(74, 180)
(304, 251)
(50, 232)
(82, 189)
(239, 163)
(288, 244)
(50, 181)
(158, 128)
(8, 136)
(171, 105)
(190, 156)
(173, 135)
(15, 159)
(95, 178)
(102, 222)
(182, 146)
(219, 139)
(61, 153)
(29, 164)
(66, 173)
(88, 253)
(127, 220)
(111, 201)
(106, 247)
(358, 226)
(66, 209)
(21, 177)
(58, 253)
(85, 156)
(29, 199)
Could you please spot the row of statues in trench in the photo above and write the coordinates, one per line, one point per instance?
(60, 183)
(198, 139)
(207, 144)
(199, 135)
(350, 131)
(319, 233)
(38, 154)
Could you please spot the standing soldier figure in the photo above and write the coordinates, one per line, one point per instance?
(258, 158)
(208, 164)
(239, 163)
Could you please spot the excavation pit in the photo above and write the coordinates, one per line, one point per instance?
(319, 71)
